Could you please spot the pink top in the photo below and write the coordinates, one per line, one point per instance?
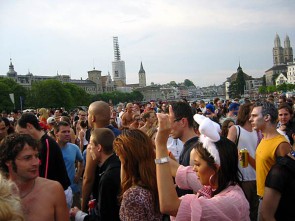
(230, 204)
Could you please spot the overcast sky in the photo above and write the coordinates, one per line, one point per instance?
(199, 40)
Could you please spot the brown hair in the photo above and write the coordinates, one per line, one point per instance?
(244, 114)
(224, 127)
(104, 137)
(137, 150)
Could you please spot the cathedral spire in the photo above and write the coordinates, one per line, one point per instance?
(141, 69)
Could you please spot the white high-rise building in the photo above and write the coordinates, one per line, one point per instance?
(118, 66)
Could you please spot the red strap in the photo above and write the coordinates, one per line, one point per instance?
(47, 158)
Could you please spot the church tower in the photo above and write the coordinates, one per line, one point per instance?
(11, 73)
(278, 52)
(288, 51)
(118, 66)
(141, 76)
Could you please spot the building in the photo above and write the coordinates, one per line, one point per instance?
(281, 79)
(118, 66)
(141, 76)
(252, 87)
(95, 84)
(281, 56)
(291, 72)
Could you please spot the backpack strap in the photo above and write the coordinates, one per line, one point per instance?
(238, 137)
(47, 158)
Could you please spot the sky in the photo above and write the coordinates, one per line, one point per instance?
(199, 40)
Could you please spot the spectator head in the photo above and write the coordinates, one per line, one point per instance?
(28, 124)
(10, 148)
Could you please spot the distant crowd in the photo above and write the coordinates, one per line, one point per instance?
(222, 160)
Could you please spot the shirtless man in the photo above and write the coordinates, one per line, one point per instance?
(127, 116)
(149, 118)
(19, 159)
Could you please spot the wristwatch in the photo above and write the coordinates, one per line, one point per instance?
(162, 160)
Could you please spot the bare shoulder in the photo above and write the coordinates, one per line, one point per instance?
(283, 149)
(232, 134)
(47, 187)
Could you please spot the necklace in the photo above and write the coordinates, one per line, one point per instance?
(29, 190)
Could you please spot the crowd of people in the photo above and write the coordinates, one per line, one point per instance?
(153, 161)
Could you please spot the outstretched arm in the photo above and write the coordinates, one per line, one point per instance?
(169, 201)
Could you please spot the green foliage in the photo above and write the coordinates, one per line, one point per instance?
(173, 83)
(285, 87)
(233, 88)
(240, 83)
(271, 89)
(262, 90)
(79, 96)
(50, 93)
(273, 78)
(117, 97)
(188, 83)
(8, 86)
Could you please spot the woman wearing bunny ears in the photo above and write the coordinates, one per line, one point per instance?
(214, 177)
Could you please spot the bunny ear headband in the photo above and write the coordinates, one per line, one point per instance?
(209, 134)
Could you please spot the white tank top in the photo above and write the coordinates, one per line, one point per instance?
(247, 140)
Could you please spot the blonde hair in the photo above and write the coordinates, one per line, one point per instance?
(43, 112)
(10, 206)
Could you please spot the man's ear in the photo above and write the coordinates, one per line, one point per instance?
(29, 126)
(267, 117)
(99, 148)
(93, 118)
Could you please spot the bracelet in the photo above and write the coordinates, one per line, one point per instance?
(162, 160)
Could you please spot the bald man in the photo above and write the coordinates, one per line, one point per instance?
(99, 115)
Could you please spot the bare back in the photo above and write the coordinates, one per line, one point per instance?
(46, 202)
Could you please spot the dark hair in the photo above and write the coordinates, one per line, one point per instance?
(59, 124)
(29, 118)
(224, 127)
(287, 107)
(7, 124)
(268, 108)
(183, 110)
(12, 145)
(104, 137)
(83, 124)
(65, 118)
(228, 172)
(244, 114)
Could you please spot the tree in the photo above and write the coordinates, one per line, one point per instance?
(50, 93)
(188, 83)
(240, 83)
(233, 89)
(12, 87)
(79, 96)
(5, 102)
(271, 88)
(262, 90)
(173, 83)
(274, 77)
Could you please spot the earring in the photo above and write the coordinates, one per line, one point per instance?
(211, 182)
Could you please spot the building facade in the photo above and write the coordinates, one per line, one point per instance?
(281, 56)
(118, 66)
(95, 84)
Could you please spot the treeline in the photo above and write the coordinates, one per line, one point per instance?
(53, 93)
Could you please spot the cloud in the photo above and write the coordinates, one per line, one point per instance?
(196, 39)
